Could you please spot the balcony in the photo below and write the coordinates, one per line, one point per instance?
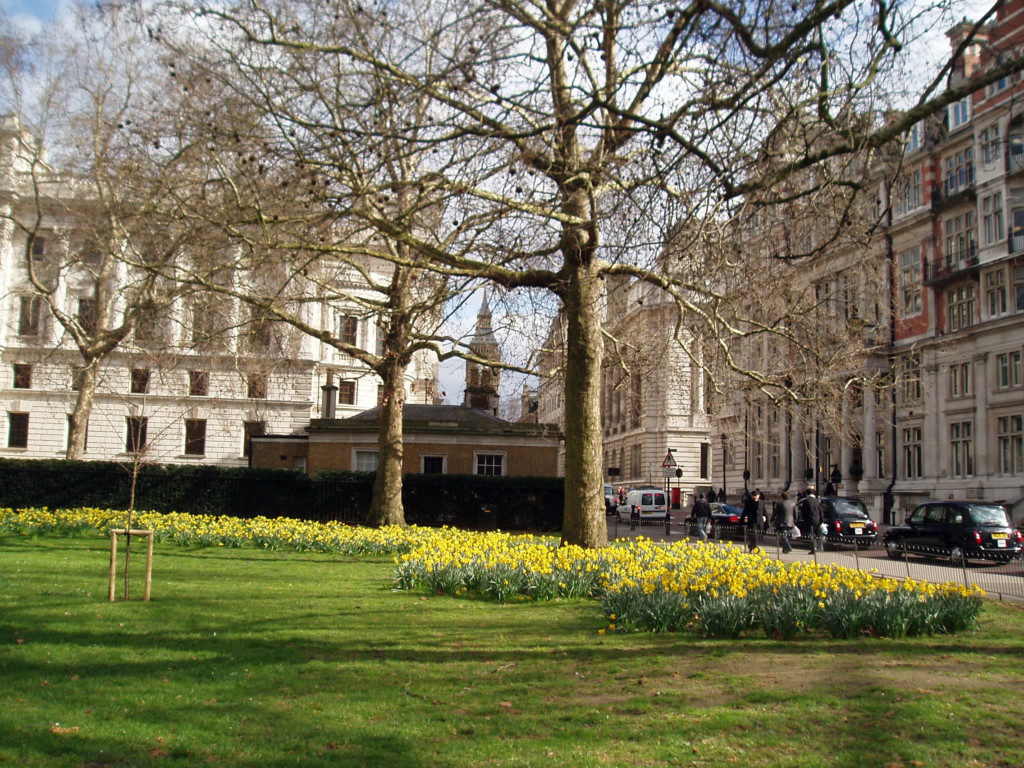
(1014, 161)
(953, 266)
(955, 187)
(1015, 243)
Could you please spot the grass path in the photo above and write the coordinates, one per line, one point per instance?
(259, 659)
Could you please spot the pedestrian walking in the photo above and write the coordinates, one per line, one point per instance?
(711, 496)
(753, 512)
(784, 518)
(701, 512)
(811, 519)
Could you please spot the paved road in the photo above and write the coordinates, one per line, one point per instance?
(1002, 582)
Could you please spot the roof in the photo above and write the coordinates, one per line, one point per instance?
(435, 418)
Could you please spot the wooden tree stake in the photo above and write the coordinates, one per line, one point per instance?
(114, 533)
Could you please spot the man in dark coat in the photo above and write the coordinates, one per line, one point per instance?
(810, 518)
(701, 512)
(711, 496)
(784, 518)
(753, 514)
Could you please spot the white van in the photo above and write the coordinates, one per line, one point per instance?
(651, 502)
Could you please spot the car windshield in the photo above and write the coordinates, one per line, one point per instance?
(984, 514)
(847, 508)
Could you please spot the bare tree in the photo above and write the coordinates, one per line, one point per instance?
(88, 176)
(568, 139)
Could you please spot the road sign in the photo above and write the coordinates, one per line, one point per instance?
(668, 472)
(670, 460)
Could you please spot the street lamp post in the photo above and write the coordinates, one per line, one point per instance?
(725, 460)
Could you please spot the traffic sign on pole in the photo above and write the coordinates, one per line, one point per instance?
(670, 460)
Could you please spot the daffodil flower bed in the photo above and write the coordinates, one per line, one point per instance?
(702, 588)
(642, 586)
(209, 531)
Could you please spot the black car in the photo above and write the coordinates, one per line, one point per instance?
(725, 521)
(959, 530)
(847, 522)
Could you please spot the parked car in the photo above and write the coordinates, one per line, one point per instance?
(847, 521)
(725, 521)
(959, 530)
(651, 503)
(611, 501)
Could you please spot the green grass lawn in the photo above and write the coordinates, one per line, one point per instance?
(247, 658)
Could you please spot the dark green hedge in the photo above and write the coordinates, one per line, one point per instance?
(464, 501)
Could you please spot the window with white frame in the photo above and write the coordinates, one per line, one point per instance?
(910, 281)
(910, 376)
(959, 240)
(912, 453)
(989, 140)
(961, 380)
(992, 218)
(433, 464)
(29, 313)
(907, 194)
(999, 85)
(961, 442)
(1008, 370)
(995, 293)
(913, 138)
(960, 307)
(490, 464)
(959, 171)
(959, 113)
(366, 461)
(1010, 438)
(348, 330)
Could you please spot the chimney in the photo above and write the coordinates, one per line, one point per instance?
(329, 398)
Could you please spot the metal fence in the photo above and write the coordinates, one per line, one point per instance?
(1001, 576)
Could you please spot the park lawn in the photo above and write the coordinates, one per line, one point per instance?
(252, 658)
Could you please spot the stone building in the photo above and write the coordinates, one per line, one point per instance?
(193, 387)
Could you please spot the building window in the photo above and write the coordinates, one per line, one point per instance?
(139, 381)
(989, 140)
(432, 465)
(366, 461)
(910, 377)
(960, 245)
(346, 393)
(28, 315)
(199, 383)
(1008, 370)
(961, 380)
(634, 461)
(251, 429)
(910, 281)
(490, 464)
(87, 315)
(907, 195)
(913, 138)
(22, 376)
(826, 455)
(38, 247)
(960, 307)
(961, 459)
(85, 442)
(959, 171)
(256, 386)
(998, 85)
(1010, 435)
(135, 441)
(959, 113)
(992, 218)
(705, 460)
(195, 437)
(348, 330)
(912, 453)
(17, 430)
(995, 292)
(1018, 288)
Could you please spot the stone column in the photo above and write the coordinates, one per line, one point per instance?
(845, 446)
(983, 466)
(869, 441)
(933, 426)
(796, 436)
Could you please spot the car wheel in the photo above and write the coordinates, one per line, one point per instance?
(957, 557)
(892, 549)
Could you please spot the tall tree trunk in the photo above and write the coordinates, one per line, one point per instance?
(584, 522)
(386, 508)
(87, 379)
